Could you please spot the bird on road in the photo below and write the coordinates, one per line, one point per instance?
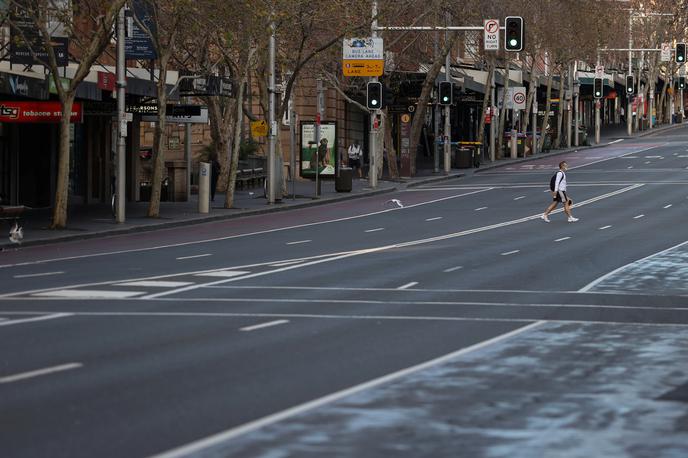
(396, 202)
(16, 233)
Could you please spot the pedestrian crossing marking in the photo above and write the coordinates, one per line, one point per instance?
(223, 273)
(156, 283)
(89, 294)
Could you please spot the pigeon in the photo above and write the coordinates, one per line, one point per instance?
(396, 202)
(16, 233)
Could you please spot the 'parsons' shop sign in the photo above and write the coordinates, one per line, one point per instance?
(37, 112)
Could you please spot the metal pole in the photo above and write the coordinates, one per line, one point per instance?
(121, 121)
(271, 117)
(187, 156)
(318, 134)
(436, 109)
(638, 108)
(494, 114)
(576, 93)
(652, 103)
(597, 109)
(534, 115)
(372, 138)
(568, 107)
(292, 148)
(629, 105)
(447, 125)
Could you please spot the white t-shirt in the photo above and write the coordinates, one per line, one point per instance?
(560, 182)
(354, 151)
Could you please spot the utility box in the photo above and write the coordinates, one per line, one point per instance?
(344, 182)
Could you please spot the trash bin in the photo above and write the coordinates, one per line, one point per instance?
(144, 191)
(462, 158)
(343, 182)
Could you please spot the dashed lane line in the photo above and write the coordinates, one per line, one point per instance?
(668, 206)
(156, 283)
(263, 325)
(452, 269)
(562, 239)
(408, 285)
(377, 229)
(89, 294)
(638, 216)
(605, 227)
(44, 274)
(40, 372)
(434, 219)
(51, 316)
(181, 258)
(299, 242)
(509, 253)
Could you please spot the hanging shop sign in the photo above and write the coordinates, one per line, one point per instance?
(37, 112)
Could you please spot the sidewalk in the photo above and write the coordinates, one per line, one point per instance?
(92, 221)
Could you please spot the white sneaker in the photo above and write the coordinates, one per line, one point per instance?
(545, 218)
(572, 219)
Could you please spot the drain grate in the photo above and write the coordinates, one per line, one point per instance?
(680, 394)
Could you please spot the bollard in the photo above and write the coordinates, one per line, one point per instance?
(514, 144)
(204, 187)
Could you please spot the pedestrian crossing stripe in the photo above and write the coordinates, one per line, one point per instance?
(89, 294)
(223, 273)
(156, 283)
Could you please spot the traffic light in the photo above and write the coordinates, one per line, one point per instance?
(446, 92)
(598, 91)
(513, 33)
(680, 52)
(374, 95)
(681, 82)
(630, 85)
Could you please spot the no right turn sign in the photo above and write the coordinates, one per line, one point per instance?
(491, 34)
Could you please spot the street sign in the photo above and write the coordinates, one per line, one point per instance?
(515, 99)
(599, 71)
(666, 52)
(259, 128)
(491, 34)
(363, 57)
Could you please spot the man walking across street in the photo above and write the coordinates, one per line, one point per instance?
(558, 189)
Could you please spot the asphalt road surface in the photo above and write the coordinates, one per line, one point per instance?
(459, 324)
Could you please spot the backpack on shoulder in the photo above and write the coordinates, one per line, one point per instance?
(552, 182)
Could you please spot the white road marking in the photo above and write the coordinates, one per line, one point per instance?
(562, 239)
(200, 445)
(647, 162)
(508, 253)
(181, 258)
(654, 157)
(156, 283)
(594, 283)
(223, 273)
(408, 285)
(264, 325)
(298, 242)
(248, 234)
(287, 263)
(616, 141)
(638, 217)
(520, 197)
(434, 219)
(34, 319)
(377, 229)
(480, 208)
(668, 206)
(39, 372)
(44, 274)
(452, 269)
(89, 294)
(629, 167)
(605, 227)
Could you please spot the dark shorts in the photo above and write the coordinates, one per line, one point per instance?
(558, 198)
(355, 163)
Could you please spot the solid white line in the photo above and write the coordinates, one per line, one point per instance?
(637, 217)
(200, 445)
(408, 285)
(480, 208)
(594, 283)
(510, 252)
(248, 234)
(39, 372)
(193, 257)
(45, 274)
(562, 239)
(287, 263)
(434, 219)
(604, 227)
(89, 294)
(264, 325)
(616, 141)
(520, 197)
(452, 269)
(298, 242)
(376, 229)
(34, 319)
(156, 283)
(668, 206)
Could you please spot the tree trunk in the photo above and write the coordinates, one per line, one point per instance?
(234, 164)
(545, 118)
(391, 151)
(62, 185)
(502, 112)
(421, 106)
(486, 100)
(159, 137)
(221, 116)
(560, 111)
(531, 97)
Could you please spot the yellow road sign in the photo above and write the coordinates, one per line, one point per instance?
(259, 128)
(363, 67)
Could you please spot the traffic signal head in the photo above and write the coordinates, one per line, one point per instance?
(513, 33)
(374, 95)
(680, 53)
(446, 92)
(598, 91)
(630, 86)
(681, 82)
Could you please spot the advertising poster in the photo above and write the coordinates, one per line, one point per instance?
(327, 166)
